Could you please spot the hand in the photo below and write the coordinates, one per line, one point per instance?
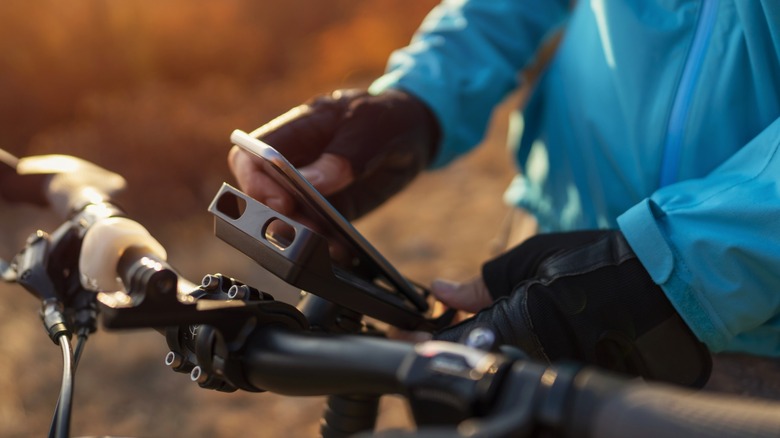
(584, 296)
(356, 148)
(329, 174)
(471, 296)
(505, 272)
(467, 297)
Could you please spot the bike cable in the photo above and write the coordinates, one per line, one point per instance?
(66, 395)
(61, 421)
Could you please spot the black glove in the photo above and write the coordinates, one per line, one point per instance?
(387, 138)
(584, 296)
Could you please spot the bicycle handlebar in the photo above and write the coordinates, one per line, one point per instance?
(303, 364)
(269, 347)
(505, 398)
(606, 407)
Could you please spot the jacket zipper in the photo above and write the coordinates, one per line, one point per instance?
(682, 100)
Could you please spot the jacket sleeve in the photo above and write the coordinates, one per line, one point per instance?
(465, 58)
(713, 245)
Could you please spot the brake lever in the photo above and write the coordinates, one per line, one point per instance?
(67, 183)
(30, 267)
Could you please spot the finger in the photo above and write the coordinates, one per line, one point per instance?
(448, 293)
(471, 296)
(329, 174)
(255, 182)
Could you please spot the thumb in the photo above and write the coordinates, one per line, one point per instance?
(329, 173)
(471, 296)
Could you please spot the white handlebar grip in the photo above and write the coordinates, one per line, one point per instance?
(103, 245)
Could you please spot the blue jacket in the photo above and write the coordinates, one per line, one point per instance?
(660, 117)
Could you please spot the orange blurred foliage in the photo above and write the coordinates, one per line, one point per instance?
(152, 89)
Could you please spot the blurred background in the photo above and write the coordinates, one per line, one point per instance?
(152, 90)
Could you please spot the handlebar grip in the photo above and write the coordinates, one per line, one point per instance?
(607, 407)
(103, 246)
(297, 364)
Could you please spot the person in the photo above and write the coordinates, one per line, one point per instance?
(648, 152)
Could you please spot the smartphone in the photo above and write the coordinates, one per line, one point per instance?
(319, 209)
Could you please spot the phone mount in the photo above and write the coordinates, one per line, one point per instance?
(301, 257)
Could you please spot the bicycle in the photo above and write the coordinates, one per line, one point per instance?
(228, 335)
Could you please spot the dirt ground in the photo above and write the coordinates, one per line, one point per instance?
(445, 225)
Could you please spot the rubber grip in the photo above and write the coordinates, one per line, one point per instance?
(103, 245)
(657, 410)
